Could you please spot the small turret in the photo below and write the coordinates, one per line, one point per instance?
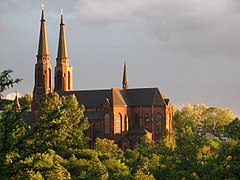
(125, 78)
(16, 105)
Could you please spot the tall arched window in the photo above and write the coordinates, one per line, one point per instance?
(94, 132)
(39, 78)
(125, 123)
(146, 120)
(136, 120)
(69, 80)
(158, 119)
(49, 78)
(59, 80)
(119, 124)
(106, 123)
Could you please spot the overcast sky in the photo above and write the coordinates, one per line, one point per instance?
(189, 49)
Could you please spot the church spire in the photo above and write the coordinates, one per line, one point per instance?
(125, 78)
(43, 68)
(16, 105)
(63, 71)
(43, 42)
(62, 44)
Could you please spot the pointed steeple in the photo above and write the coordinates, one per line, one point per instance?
(16, 105)
(43, 41)
(63, 71)
(125, 78)
(62, 43)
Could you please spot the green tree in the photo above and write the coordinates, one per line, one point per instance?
(217, 118)
(12, 131)
(233, 129)
(62, 123)
(195, 113)
(6, 81)
(25, 102)
(112, 158)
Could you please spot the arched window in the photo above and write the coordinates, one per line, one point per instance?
(49, 78)
(39, 78)
(146, 120)
(158, 119)
(59, 80)
(119, 124)
(136, 120)
(106, 123)
(125, 123)
(94, 132)
(69, 80)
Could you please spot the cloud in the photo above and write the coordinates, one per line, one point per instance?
(12, 96)
(196, 27)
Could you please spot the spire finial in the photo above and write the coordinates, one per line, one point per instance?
(43, 6)
(62, 21)
(42, 19)
(125, 77)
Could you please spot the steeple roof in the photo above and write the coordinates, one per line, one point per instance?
(62, 43)
(43, 41)
(125, 77)
(16, 105)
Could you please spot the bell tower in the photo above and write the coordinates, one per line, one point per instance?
(43, 67)
(63, 71)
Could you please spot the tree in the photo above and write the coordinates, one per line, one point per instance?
(233, 129)
(25, 102)
(195, 113)
(6, 81)
(112, 158)
(217, 118)
(12, 131)
(62, 123)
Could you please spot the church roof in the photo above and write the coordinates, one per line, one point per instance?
(43, 41)
(62, 42)
(138, 130)
(118, 96)
(91, 98)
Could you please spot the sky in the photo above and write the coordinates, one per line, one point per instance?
(189, 49)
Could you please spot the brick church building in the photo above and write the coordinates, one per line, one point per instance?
(120, 114)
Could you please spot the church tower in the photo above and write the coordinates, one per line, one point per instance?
(63, 71)
(125, 78)
(43, 67)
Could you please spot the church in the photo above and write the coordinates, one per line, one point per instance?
(121, 114)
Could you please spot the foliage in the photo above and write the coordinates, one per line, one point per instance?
(207, 119)
(61, 125)
(56, 148)
(233, 129)
(25, 102)
(6, 81)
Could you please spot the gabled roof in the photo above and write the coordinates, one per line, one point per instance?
(91, 98)
(118, 96)
(138, 130)
(145, 97)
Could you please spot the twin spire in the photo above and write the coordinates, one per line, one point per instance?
(43, 41)
(63, 72)
(62, 44)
